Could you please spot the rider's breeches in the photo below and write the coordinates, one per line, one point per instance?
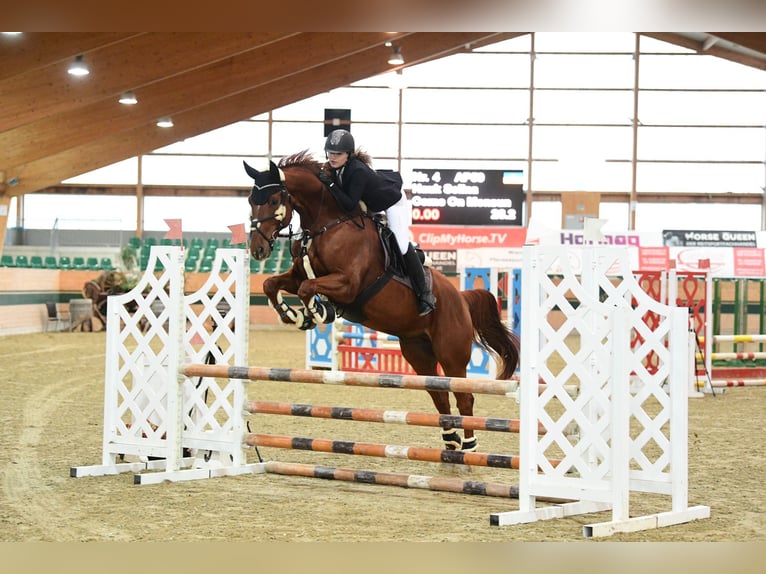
(398, 216)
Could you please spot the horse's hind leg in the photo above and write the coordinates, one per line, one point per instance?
(419, 354)
(465, 408)
(454, 362)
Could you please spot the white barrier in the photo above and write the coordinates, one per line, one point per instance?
(151, 411)
(611, 458)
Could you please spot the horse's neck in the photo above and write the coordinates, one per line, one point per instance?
(317, 209)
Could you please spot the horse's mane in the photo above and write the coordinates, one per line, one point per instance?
(306, 160)
(301, 159)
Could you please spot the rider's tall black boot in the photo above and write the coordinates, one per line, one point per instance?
(426, 299)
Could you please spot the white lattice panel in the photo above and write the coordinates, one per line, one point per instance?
(217, 332)
(651, 407)
(149, 410)
(632, 421)
(565, 345)
(141, 363)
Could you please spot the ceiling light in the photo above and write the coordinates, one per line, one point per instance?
(165, 122)
(128, 98)
(396, 58)
(78, 67)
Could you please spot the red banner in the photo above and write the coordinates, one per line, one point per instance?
(449, 237)
(238, 233)
(175, 231)
(653, 258)
(749, 262)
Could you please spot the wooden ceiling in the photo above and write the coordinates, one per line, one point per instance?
(54, 126)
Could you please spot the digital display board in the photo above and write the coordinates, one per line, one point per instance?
(467, 197)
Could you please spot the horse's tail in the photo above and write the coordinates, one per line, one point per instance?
(490, 331)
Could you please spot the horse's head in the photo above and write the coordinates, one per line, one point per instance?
(269, 209)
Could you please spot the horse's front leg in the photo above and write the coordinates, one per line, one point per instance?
(335, 287)
(289, 283)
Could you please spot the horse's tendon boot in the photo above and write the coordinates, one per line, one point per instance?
(452, 440)
(469, 444)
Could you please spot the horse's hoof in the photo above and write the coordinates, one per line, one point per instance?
(308, 323)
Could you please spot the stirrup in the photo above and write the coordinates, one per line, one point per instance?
(426, 304)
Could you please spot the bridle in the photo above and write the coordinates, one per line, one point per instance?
(281, 212)
(278, 215)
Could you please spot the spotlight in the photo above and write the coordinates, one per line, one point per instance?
(396, 58)
(128, 98)
(78, 67)
(165, 122)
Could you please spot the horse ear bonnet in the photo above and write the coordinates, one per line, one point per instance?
(266, 183)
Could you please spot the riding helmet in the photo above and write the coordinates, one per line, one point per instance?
(339, 141)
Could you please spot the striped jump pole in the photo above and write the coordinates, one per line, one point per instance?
(382, 416)
(736, 356)
(737, 338)
(394, 381)
(442, 484)
(508, 388)
(722, 384)
(422, 454)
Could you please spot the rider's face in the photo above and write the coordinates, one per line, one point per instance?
(337, 159)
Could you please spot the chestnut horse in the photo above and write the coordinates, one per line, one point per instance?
(339, 266)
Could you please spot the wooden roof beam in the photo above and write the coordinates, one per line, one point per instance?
(180, 92)
(116, 67)
(289, 88)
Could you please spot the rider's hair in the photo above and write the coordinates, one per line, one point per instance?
(363, 157)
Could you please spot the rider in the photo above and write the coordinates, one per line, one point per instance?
(352, 174)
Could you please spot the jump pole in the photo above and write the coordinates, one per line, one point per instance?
(422, 454)
(442, 484)
(383, 416)
(380, 380)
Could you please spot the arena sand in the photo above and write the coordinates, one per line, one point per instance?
(52, 415)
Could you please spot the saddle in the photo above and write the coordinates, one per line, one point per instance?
(394, 268)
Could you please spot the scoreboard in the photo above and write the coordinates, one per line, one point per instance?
(467, 197)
